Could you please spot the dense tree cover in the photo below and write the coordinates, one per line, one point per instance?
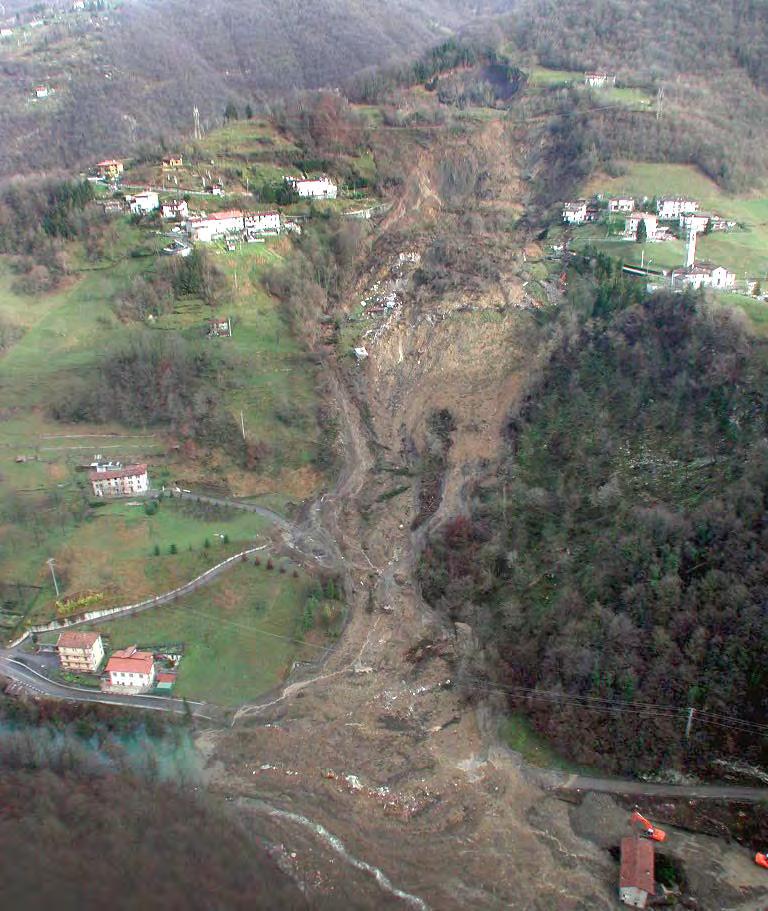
(153, 378)
(715, 79)
(33, 210)
(211, 52)
(90, 817)
(622, 550)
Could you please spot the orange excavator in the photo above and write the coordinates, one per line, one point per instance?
(761, 859)
(649, 830)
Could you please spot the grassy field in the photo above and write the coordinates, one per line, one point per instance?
(542, 77)
(744, 250)
(44, 500)
(518, 734)
(240, 635)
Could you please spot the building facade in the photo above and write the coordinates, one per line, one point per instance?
(143, 203)
(131, 669)
(314, 188)
(119, 482)
(670, 208)
(575, 213)
(109, 169)
(261, 222)
(632, 223)
(78, 651)
(623, 204)
(218, 224)
(175, 209)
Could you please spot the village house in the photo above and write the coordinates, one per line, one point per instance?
(219, 327)
(703, 275)
(670, 208)
(636, 879)
(130, 670)
(575, 213)
(215, 189)
(119, 482)
(177, 248)
(171, 162)
(256, 223)
(314, 188)
(6, 32)
(599, 80)
(143, 203)
(632, 223)
(696, 221)
(623, 204)
(175, 209)
(109, 169)
(42, 91)
(80, 652)
(208, 228)
(113, 206)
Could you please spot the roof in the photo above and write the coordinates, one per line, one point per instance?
(166, 677)
(108, 161)
(76, 639)
(217, 216)
(130, 471)
(131, 661)
(636, 864)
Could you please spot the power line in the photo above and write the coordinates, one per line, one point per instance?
(603, 704)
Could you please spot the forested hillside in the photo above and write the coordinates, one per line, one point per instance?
(620, 552)
(708, 56)
(136, 72)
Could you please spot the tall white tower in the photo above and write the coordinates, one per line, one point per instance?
(690, 256)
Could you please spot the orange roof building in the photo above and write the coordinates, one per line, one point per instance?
(131, 668)
(636, 880)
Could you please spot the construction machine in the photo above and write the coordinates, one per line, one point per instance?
(648, 829)
(761, 859)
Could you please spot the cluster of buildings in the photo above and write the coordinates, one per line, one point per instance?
(112, 479)
(127, 670)
(683, 218)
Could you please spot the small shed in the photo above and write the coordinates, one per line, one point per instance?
(165, 680)
(636, 880)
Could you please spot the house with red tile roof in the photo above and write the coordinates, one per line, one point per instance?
(636, 880)
(119, 482)
(131, 669)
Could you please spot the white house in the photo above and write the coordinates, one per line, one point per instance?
(314, 188)
(261, 222)
(599, 80)
(176, 209)
(696, 220)
(575, 213)
(43, 91)
(119, 482)
(703, 275)
(80, 651)
(6, 33)
(636, 879)
(632, 223)
(131, 669)
(143, 203)
(669, 208)
(623, 204)
(208, 228)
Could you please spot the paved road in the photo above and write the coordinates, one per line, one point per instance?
(36, 683)
(697, 791)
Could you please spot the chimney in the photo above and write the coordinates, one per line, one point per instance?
(690, 255)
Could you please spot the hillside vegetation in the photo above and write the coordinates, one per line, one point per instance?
(134, 73)
(620, 553)
(709, 58)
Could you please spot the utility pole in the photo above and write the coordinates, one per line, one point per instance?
(53, 575)
(242, 422)
(660, 102)
(689, 723)
(196, 118)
